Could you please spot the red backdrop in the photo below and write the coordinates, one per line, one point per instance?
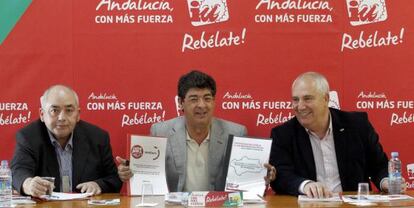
(124, 58)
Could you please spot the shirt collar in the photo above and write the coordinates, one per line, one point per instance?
(329, 130)
(207, 139)
(55, 142)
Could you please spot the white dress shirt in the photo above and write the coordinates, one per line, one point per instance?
(197, 165)
(325, 160)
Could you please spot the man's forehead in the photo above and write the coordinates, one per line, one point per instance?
(307, 86)
(303, 95)
(60, 101)
(198, 92)
(62, 106)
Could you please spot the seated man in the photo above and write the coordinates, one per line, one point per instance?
(77, 154)
(324, 150)
(196, 141)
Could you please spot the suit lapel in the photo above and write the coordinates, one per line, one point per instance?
(79, 156)
(339, 134)
(216, 149)
(179, 150)
(306, 149)
(51, 162)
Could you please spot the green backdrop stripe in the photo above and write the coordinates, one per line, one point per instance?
(10, 13)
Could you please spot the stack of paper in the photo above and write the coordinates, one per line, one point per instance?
(353, 199)
(376, 198)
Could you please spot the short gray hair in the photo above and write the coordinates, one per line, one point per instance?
(45, 95)
(321, 82)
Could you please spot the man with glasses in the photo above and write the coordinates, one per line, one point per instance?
(196, 141)
(60, 145)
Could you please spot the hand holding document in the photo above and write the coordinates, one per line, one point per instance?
(147, 163)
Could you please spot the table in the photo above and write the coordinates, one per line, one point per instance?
(272, 201)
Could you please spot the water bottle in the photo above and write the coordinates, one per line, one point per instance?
(5, 185)
(394, 174)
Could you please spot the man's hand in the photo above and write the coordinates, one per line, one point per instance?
(316, 190)
(37, 186)
(123, 169)
(271, 173)
(384, 185)
(89, 187)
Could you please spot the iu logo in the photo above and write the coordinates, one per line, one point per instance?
(204, 12)
(362, 12)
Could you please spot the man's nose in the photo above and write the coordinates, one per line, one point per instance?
(300, 104)
(201, 102)
(62, 116)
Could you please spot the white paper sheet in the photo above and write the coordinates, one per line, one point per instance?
(108, 202)
(246, 171)
(376, 198)
(59, 196)
(334, 198)
(147, 162)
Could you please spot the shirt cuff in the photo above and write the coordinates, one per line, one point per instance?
(302, 186)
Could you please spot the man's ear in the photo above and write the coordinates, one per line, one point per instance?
(327, 97)
(41, 114)
(79, 110)
(180, 103)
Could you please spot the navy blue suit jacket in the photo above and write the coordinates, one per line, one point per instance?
(359, 154)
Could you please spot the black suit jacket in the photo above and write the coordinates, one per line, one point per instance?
(358, 151)
(91, 157)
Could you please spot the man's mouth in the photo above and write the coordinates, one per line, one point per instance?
(201, 113)
(303, 114)
(61, 126)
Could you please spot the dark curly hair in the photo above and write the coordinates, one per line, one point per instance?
(195, 79)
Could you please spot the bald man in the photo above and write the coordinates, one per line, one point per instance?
(77, 154)
(324, 150)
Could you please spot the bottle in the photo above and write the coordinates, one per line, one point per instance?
(394, 174)
(5, 185)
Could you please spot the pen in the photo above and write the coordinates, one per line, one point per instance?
(20, 197)
(358, 198)
(54, 197)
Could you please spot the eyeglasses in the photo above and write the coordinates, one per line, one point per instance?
(56, 111)
(197, 99)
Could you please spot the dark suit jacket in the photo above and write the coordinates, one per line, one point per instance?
(91, 157)
(358, 151)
